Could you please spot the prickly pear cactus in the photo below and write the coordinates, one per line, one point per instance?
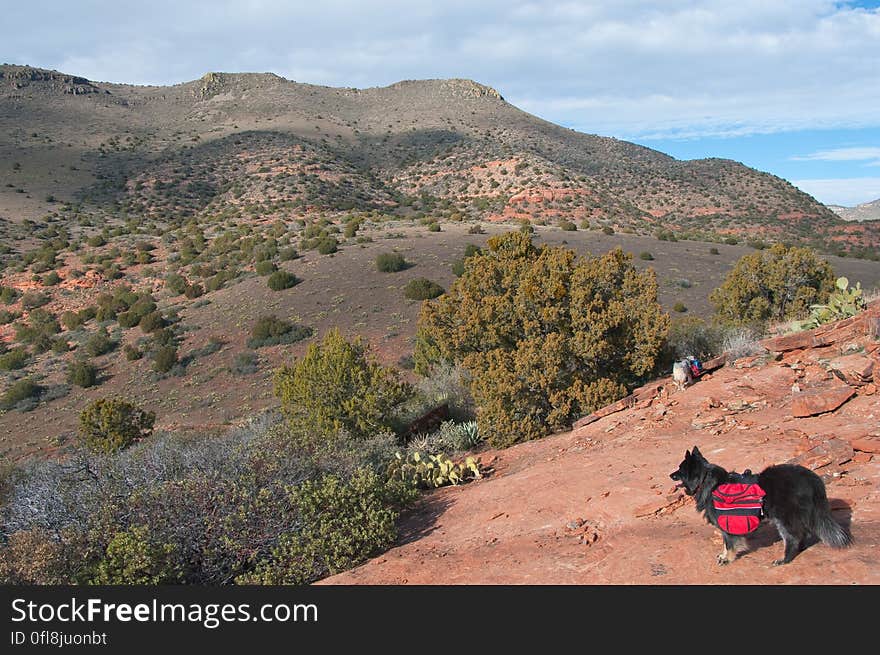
(432, 471)
(846, 301)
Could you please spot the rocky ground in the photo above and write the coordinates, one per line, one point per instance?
(596, 505)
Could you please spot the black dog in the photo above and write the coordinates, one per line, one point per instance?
(795, 502)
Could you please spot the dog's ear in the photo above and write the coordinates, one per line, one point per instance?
(698, 455)
(687, 454)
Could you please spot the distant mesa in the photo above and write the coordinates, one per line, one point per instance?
(866, 211)
(19, 77)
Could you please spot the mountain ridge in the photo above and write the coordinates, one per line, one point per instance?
(437, 138)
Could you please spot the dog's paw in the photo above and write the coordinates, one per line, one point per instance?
(777, 562)
(722, 559)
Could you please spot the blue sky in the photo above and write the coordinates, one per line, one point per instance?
(792, 88)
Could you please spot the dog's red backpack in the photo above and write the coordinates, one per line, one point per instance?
(739, 506)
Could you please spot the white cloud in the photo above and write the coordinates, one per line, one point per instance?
(846, 191)
(647, 68)
(843, 154)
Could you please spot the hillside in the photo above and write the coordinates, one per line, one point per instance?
(241, 145)
(866, 211)
(596, 505)
(140, 228)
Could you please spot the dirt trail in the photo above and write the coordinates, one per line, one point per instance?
(596, 506)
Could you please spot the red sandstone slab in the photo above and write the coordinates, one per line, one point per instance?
(820, 400)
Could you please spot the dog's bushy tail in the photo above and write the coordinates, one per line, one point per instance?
(832, 533)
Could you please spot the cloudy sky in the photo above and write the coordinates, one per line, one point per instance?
(789, 87)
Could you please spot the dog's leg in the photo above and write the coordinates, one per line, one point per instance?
(729, 551)
(792, 544)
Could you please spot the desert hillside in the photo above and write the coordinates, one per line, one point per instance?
(596, 505)
(258, 143)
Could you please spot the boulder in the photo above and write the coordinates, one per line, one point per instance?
(832, 451)
(867, 444)
(796, 341)
(856, 370)
(820, 400)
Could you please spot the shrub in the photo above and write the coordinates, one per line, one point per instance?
(176, 283)
(775, 284)
(35, 557)
(108, 425)
(546, 337)
(7, 316)
(645, 255)
(351, 228)
(133, 557)
(608, 230)
(14, 359)
(34, 299)
(336, 387)
(245, 363)
(194, 290)
(741, 342)
(340, 524)
(390, 262)
(679, 307)
(8, 295)
(433, 227)
(165, 359)
(288, 254)
(271, 331)
(19, 391)
(280, 280)
(71, 320)
(132, 353)
(327, 245)
(218, 507)
(82, 374)
(99, 343)
(567, 226)
(60, 346)
(422, 289)
(39, 330)
(266, 267)
(51, 279)
(714, 251)
(151, 322)
(136, 312)
(163, 337)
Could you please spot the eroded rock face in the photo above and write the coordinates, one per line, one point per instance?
(19, 77)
